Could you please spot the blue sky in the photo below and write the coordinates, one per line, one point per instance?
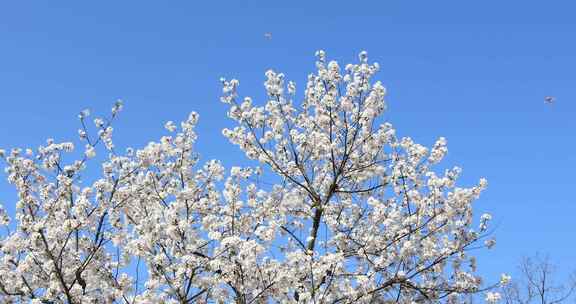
(475, 72)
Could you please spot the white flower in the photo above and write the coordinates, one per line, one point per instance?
(118, 105)
(291, 88)
(170, 126)
(90, 152)
(505, 279)
(484, 219)
(490, 243)
(363, 56)
(99, 122)
(321, 55)
(492, 297)
(84, 113)
(483, 183)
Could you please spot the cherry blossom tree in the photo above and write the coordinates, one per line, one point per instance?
(335, 208)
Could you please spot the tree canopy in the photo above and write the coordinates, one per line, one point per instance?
(337, 208)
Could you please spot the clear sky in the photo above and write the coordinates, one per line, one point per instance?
(475, 72)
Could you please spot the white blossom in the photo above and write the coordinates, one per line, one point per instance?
(492, 297)
(505, 279)
(170, 126)
(90, 151)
